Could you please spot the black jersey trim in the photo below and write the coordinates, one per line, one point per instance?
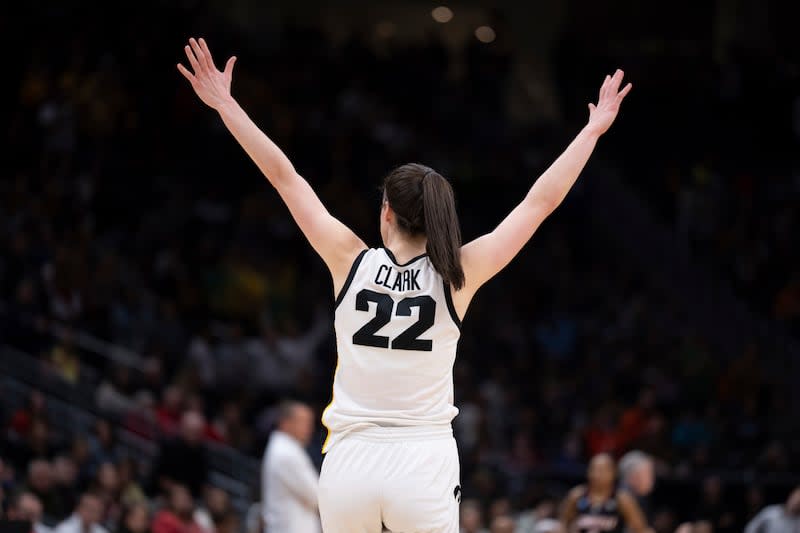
(349, 279)
(448, 298)
(391, 256)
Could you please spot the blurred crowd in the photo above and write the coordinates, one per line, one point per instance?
(720, 160)
(81, 483)
(127, 212)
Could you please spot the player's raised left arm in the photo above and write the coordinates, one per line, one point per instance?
(333, 241)
(487, 255)
(569, 509)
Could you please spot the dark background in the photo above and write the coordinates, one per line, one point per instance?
(658, 309)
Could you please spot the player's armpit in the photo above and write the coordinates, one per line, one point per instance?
(487, 255)
(331, 239)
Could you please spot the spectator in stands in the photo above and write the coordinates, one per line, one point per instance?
(602, 434)
(499, 507)
(637, 475)
(634, 419)
(289, 479)
(65, 480)
(712, 506)
(135, 519)
(131, 492)
(215, 508)
(81, 456)
(35, 443)
(169, 411)
(778, 518)
(211, 432)
(502, 524)
(228, 523)
(183, 459)
(102, 445)
(142, 419)
(40, 482)
(86, 518)
(40, 443)
(230, 424)
(153, 375)
(266, 360)
(178, 515)
(235, 373)
(106, 486)
(471, 519)
(114, 395)
(22, 419)
(26, 506)
(65, 360)
(200, 361)
(544, 511)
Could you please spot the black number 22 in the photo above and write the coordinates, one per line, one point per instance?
(409, 339)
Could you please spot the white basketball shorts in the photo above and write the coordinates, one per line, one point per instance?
(400, 479)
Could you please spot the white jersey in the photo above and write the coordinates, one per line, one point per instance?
(396, 335)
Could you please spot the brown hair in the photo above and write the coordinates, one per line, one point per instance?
(423, 203)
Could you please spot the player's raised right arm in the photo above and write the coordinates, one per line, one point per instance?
(334, 242)
(569, 509)
(489, 254)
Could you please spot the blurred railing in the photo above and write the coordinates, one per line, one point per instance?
(83, 340)
(73, 411)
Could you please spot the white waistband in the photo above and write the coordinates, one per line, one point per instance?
(401, 433)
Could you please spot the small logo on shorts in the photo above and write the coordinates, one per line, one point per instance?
(457, 493)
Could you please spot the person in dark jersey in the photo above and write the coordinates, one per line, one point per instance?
(598, 507)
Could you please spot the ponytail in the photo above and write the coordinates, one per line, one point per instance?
(423, 203)
(442, 228)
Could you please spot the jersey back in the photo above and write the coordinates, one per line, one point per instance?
(396, 336)
(598, 518)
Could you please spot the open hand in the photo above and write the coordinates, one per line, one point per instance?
(212, 86)
(602, 115)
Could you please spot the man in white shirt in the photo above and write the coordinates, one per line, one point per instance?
(289, 478)
(86, 518)
(778, 518)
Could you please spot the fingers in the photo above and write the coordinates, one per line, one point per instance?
(616, 80)
(186, 74)
(624, 92)
(604, 88)
(229, 66)
(591, 107)
(202, 60)
(610, 87)
(207, 54)
(192, 60)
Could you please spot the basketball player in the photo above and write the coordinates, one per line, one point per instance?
(599, 507)
(391, 459)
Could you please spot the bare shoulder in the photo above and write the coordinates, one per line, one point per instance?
(576, 492)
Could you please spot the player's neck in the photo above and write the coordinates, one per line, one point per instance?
(599, 494)
(404, 248)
